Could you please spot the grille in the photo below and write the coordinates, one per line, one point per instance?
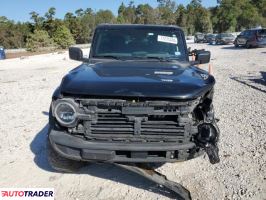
(130, 121)
(109, 123)
(119, 125)
(166, 128)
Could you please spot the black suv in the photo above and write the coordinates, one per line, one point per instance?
(136, 99)
(251, 38)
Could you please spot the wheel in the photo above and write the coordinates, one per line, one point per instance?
(236, 45)
(60, 163)
(247, 45)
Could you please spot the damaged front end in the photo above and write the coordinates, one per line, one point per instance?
(134, 129)
(208, 131)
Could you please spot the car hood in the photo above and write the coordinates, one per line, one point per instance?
(137, 79)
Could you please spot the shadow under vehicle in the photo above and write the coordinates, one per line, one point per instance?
(224, 38)
(136, 99)
(251, 38)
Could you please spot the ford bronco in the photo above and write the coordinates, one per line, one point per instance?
(136, 99)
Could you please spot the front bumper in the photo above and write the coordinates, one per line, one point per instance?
(76, 148)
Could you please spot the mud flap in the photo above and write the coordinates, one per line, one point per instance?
(156, 177)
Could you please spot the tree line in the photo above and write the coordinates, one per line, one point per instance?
(47, 31)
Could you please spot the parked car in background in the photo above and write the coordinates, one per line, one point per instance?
(199, 37)
(251, 38)
(224, 38)
(2, 53)
(210, 38)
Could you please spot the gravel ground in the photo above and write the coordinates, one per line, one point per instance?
(26, 86)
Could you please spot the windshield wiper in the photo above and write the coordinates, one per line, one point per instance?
(109, 56)
(163, 59)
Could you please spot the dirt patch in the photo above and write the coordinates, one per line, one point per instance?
(26, 54)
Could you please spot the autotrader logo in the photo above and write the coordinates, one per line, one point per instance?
(26, 193)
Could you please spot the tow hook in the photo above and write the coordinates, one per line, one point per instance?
(207, 138)
(156, 177)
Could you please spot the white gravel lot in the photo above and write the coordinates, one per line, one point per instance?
(26, 87)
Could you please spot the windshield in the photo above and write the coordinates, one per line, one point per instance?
(138, 44)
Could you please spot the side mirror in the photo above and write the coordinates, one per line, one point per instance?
(75, 53)
(203, 57)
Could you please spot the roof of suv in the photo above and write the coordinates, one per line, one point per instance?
(126, 26)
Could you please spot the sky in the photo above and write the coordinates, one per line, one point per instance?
(18, 10)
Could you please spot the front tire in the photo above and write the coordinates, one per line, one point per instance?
(60, 163)
(247, 45)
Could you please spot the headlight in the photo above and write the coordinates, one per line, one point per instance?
(65, 112)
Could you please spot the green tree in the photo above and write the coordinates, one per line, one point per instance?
(13, 35)
(145, 14)
(226, 16)
(127, 14)
(88, 24)
(62, 37)
(248, 15)
(38, 40)
(121, 10)
(236, 15)
(203, 21)
(181, 17)
(38, 21)
(79, 12)
(104, 16)
(50, 24)
(74, 25)
(167, 10)
(50, 13)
